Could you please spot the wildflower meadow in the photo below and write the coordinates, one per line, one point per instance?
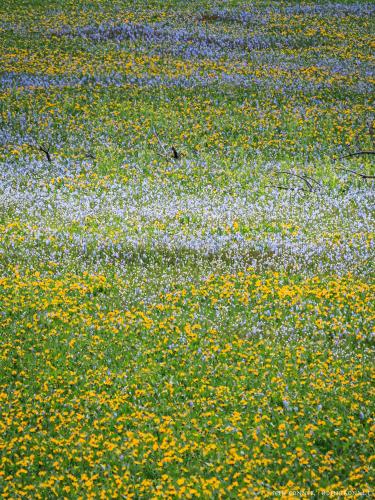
(187, 249)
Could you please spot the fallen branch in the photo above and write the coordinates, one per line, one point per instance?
(355, 172)
(46, 152)
(357, 153)
(305, 179)
(43, 149)
(159, 141)
(288, 188)
(175, 154)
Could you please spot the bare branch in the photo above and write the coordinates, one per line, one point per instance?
(288, 188)
(355, 172)
(176, 155)
(302, 177)
(357, 153)
(159, 141)
(45, 150)
(312, 180)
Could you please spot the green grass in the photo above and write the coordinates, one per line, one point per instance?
(193, 327)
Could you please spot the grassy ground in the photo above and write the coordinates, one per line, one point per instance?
(199, 326)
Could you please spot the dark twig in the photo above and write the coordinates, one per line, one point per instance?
(312, 180)
(288, 188)
(357, 153)
(159, 141)
(176, 155)
(46, 152)
(302, 177)
(43, 149)
(355, 172)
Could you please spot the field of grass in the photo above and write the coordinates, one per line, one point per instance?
(186, 249)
